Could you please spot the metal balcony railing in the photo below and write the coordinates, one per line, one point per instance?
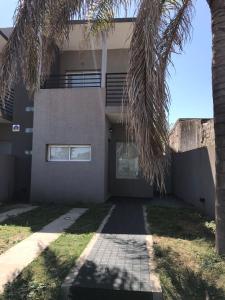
(115, 84)
(76, 80)
(6, 106)
(115, 88)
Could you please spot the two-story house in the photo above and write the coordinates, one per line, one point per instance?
(80, 150)
(70, 143)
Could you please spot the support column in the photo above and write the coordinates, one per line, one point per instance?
(104, 59)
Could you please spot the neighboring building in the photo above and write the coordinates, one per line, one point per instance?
(191, 133)
(15, 145)
(193, 163)
(78, 143)
(6, 160)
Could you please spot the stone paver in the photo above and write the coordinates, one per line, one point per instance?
(117, 261)
(15, 212)
(13, 261)
(120, 260)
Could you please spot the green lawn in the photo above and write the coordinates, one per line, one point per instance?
(5, 207)
(15, 229)
(42, 279)
(187, 263)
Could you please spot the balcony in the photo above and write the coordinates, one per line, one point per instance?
(115, 89)
(6, 107)
(115, 84)
(73, 80)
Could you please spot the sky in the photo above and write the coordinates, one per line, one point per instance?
(190, 78)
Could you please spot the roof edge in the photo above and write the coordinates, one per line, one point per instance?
(4, 36)
(179, 120)
(115, 20)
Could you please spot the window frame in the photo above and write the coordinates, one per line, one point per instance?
(49, 146)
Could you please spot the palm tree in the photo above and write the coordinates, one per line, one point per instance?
(218, 84)
(162, 27)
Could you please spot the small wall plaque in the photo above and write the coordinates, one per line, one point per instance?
(16, 128)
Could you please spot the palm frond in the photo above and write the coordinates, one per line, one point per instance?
(39, 25)
(102, 12)
(175, 28)
(159, 28)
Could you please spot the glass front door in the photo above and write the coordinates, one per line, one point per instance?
(126, 161)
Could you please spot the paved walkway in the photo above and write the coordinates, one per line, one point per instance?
(15, 212)
(13, 261)
(118, 263)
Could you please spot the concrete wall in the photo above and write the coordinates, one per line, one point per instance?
(189, 134)
(22, 142)
(5, 132)
(17, 143)
(124, 187)
(6, 177)
(91, 60)
(5, 138)
(193, 178)
(69, 116)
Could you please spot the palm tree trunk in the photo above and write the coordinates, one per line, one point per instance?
(218, 76)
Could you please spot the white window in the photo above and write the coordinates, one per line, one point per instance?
(126, 161)
(29, 108)
(83, 79)
(28, 130)
(69, 153)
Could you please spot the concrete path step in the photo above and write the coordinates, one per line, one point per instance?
(92, 293)
(13, 261)
(15, 212)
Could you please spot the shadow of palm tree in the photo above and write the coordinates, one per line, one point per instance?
(28, 286)
(99, 279)
(104, 282)
(43, 278)
(38, 217)
(181, 282)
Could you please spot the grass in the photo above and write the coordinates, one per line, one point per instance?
(15, 229)
(187, 263)
(5, 207)
(42, 279)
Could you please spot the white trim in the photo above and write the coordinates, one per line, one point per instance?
(49, 146)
